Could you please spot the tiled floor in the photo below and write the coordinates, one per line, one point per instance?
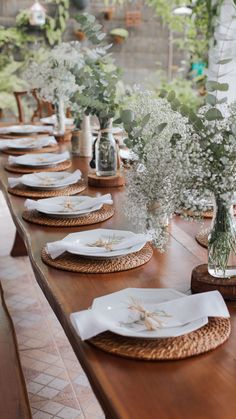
(56, 384)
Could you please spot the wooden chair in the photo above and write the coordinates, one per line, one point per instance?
(14, 403)
(42, 108)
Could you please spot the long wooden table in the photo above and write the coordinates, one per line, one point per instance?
(196, 388)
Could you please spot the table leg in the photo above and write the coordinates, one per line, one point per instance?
(18, 248)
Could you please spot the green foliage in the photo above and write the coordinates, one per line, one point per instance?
(185, 90)
(198, 28)
(54, 26)
(99, 78)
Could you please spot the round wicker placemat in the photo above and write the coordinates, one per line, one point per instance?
(75, 263)
(49, 149)
(205, 339)
(202, 237)
(26, 169)
(21, 190)
(99, 216)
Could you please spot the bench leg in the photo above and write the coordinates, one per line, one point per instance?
(18, 248)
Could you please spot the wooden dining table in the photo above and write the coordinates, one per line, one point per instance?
(200, 387)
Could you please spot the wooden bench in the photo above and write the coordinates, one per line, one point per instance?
(14, 403)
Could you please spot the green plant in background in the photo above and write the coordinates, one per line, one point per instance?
(54, 27)
(92, 29)
(98, 80)
(186, 91)
(198, 28)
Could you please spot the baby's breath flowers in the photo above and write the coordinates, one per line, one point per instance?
(190, 162)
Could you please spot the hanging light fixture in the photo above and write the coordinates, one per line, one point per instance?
(37, 15)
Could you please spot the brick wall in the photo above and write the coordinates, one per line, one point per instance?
(146, 46)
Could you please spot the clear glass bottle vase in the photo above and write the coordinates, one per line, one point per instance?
(106, 154)
(222, 241)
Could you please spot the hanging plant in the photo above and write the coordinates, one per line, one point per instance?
(110, 8)
(119, 35)
(53, 27)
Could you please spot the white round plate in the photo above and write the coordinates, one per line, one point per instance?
(40, 160)
(86, 238)
(53, 180)
(116, 302)
(31, 143)
(67, 212)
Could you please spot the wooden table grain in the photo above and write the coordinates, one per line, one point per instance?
(201, 387)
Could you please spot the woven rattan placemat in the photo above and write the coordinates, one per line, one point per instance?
(21, 190)
(99, 216)
(26, 169)
(75, 263)
(202, 237)
(49, 149)
(205, 339)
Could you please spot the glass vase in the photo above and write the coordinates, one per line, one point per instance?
(60, 114)
(222, 241)
(106, 154)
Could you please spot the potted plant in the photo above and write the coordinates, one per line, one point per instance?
(110, 8)
(80, 35)
(119, 35)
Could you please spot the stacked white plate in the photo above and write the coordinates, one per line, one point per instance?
(68, 206)
(39, 160)
(28, 143)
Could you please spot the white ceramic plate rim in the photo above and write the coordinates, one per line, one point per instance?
(57, 199)
(15, 144)
(39, 164)
(120, 296)
(98, 232)
(51, 187)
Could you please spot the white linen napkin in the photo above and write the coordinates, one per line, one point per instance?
(89, 323)
(51, 158)
(38, 143)
(71, 178)
(56, 248)
(40, 205)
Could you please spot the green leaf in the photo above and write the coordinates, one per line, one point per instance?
(225, 61)
(163, 93)
(211, 99)
(127, 116)
(214, 85)
(171, 96)
(223, 100)
(213, 114)
(145, 120)
(160, 128)
(175, 104)
(184, 110)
